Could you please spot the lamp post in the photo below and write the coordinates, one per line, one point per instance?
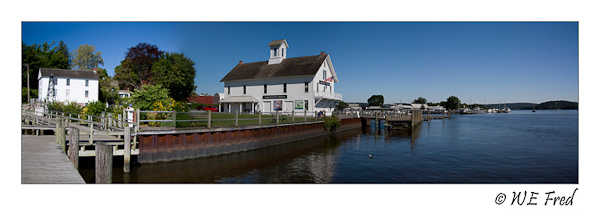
(27, 65)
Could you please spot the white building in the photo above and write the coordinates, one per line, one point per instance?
(282, 84)
(68, 85)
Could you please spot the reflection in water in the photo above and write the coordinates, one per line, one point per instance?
(306, 161)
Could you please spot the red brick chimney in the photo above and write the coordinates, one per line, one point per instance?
(322, 53)
(95, 70)
(241, 62)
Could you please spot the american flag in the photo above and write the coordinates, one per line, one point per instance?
(330, 79)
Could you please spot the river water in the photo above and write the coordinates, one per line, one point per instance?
(518, 147)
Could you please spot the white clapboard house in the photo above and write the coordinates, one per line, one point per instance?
(281, 84)
(80, 86)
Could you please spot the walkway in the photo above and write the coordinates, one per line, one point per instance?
(44, 162)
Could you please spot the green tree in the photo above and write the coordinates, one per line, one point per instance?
(85, 58)
(452, 103)
(375, 100)
(420, 100)
(95, 108)
(135, 69)
(175, 72)
(107, 91)
(342, 105)
(144, 98)
(41, 56)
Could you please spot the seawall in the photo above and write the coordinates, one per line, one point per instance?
(179, 145)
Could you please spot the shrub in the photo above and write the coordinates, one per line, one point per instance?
(331, 123)
(95, 108)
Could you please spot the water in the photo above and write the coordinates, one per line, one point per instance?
(519, 147)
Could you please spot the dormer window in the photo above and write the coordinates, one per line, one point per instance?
(278, 47)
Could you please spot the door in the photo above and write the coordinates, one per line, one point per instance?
(266, 107)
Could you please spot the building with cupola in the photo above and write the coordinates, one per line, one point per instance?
(281, 84)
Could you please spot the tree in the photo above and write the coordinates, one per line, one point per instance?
(107, 91)
(375, 100)
(452, 103)
(144, 98)
(175, 72)
(84, 58)
(420, 100)
(137, 66)
(342, 105)
(41, 56)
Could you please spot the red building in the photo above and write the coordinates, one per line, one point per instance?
(201, 99)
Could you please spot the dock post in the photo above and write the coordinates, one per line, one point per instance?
(315, 115)
(236, 117)
(259, 118)
(104, 163)
(103, 120)
(277, 119)
(209, 118)
(74, 146)
(91, 129)
(127, 150)
(62, 135)
(293, 116)
(428, 115)
(119, 123)
(110, 119)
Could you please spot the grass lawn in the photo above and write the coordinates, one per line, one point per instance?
(228, 119)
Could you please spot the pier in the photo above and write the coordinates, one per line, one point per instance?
(401, 121)
(44, 162)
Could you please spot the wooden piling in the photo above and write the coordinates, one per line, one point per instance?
(104, 163)
(91, 129)
(74, 146)
(236, 117)
(259, 118)
(127, 150)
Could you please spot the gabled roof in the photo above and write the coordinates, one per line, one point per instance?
(278, 43)
(66, 73)
(299, 66)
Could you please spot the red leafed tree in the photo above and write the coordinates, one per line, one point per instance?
(137, 66)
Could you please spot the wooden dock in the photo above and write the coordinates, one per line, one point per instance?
(44, 162)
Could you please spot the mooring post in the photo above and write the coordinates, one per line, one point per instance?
(104, 163)
(127, 150)
(74, 146)
(293, 116)
(236, 117)
(110, 119)
(259, 118)
(277, 117)
(56, 131)
(91, 129)
(102, 120)
(315, 115)
(209, 119)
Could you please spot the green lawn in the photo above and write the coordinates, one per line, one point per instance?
(228, 120)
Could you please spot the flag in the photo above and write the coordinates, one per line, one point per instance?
(330, 79)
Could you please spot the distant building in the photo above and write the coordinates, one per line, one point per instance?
(80, 86)
(282, 84)
(124, 93)
(201, 99)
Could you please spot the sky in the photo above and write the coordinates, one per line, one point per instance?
(479, 62)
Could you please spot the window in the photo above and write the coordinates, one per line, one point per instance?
(87, 83)
(85, 104)
(86, 93)
(244, 89)
(305, 104)
(265, 91)
(68, 82)
(324, 75)
(67, 91)
(306, 87)
(274, 52)
(284, 87)
(228, 90)
(283, 52)
(55, 81)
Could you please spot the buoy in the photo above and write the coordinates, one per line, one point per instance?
(370, 156)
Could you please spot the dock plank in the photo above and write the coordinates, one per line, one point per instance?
(44, 162)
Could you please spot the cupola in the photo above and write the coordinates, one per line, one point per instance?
(277, 51)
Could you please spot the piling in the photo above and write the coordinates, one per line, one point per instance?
(209, 118)
(104, 163)
(74, 146)
(236, 118)
(259, 118)
(60, 134)
(127, 150)
(91, 129)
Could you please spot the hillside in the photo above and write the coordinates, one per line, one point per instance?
(542, 106)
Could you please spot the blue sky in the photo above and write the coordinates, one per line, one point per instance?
(478, 62)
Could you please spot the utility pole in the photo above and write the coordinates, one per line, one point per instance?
(27, 65)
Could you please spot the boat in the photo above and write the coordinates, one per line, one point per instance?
(504, 110)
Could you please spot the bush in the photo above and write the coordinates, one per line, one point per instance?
(95, 108)
(331, 123)
(70, 107)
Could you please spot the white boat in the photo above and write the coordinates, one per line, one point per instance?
(504, 110)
